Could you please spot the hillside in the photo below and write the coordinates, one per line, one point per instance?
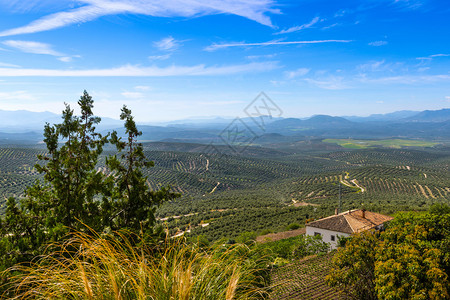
(267, 188)
(430, 125)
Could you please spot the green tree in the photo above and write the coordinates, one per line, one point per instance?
(72, 185)
(413, 257)
(354, 266)
(133, 203)
(409, 260)
(74, 193)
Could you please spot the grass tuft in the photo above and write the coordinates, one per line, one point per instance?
(96, 267)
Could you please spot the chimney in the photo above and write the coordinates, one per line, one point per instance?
(336, 211)
(363, 212)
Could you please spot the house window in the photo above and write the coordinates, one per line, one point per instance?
(316, 233)
(333, 238)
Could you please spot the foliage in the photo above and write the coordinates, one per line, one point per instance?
(309, 245)
(293, 226)
(265, 189)
(409, 260)
(132, 205)
(74, 193)
(413, 258)
(295, 247)
(104, 267)
(246, 237)
(353, 267)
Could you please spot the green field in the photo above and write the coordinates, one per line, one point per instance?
(394, 143)
(266, 189)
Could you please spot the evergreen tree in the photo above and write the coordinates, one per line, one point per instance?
(133, 203)
(74, 194)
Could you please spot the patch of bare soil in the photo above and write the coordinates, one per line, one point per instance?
(272, 237)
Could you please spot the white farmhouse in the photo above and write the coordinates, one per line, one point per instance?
(345, 224)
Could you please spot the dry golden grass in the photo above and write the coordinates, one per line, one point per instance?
(95, 267)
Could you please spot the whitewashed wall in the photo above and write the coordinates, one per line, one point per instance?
(326, 235)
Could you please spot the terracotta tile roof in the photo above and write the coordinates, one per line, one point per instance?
(351, 221)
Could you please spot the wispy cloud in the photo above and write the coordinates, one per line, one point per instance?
(167, 44)
(133, 95)
(220, 103)
(430, 57)
(38, 48)
(301, 27)
(17, 95)
(378, 43)
(6, 65)
(32, 47)
(255, 10)
(380, 65)
(409, 4)
(214, 47)
(65, 58)
(142, 87)
(329, 83)
(297, 73)
(159, 57)
(407, 79)
(331, 26)
(138, 71)
(264, 56)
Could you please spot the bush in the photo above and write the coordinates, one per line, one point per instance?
(293, 226)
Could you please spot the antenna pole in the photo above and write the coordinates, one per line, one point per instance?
(340, 199)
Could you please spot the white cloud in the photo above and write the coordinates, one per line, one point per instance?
(407, 79)
(329, 83)
(167, 44)
(133, 95)
(214, 47)
(138, 71)
(32, 47)
(256, 57)
(439, 55)
(301, 27)
(430, 57)
(159, 57)
(142, 88)
(255, 10)
(378, 43)
(409, 4)
(65, 58)
(6, 65)
(297, 73)
(382, 66)
(372, 66)
(331, 26)
(220, 103)
(423, 69)
(17, 95)
(341, 13)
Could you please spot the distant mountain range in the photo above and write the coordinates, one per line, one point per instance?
(25, 126)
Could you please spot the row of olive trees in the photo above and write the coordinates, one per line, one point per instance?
(74, 194)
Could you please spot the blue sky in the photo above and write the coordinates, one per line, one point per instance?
(174, 59)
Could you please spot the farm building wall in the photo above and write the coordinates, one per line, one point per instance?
(327, 235)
